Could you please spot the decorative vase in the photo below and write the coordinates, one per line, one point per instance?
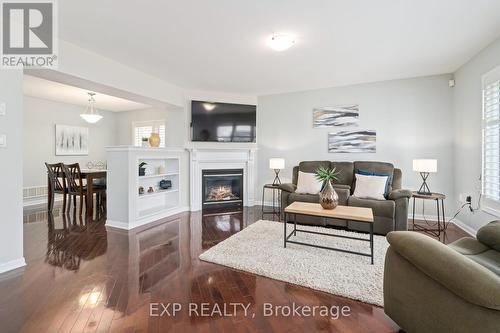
(154, 140)
(328, 198)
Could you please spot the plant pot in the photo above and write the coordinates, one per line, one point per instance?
(328, 198)
(154, 140)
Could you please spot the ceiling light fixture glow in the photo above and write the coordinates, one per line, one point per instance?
(280, 42)
(91, 115)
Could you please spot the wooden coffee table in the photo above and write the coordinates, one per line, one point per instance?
(358, 214)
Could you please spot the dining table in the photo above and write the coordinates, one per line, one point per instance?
(89, 175)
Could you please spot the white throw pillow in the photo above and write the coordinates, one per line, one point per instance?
(308, 184)
(370, 187)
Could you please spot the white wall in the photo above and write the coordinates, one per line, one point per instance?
(40, 118)
(11, 178)
(175, 135)
(467, 106)
(412, 117)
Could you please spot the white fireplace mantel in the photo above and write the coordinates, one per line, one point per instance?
(221, 158)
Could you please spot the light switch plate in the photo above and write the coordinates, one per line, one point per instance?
(3, 141)
(3, 108)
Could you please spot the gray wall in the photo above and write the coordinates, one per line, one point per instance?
(412, 117)
(467, 106)
(40, 118)
(11, 178)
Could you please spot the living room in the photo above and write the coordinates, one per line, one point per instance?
(305, 166)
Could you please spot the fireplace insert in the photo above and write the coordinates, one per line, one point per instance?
(222, 188)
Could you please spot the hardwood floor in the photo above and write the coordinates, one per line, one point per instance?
(83, 277)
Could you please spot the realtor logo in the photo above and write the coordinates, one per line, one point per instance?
(28, 34)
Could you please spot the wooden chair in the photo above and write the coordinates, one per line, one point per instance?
(75, 186)
(57, 184)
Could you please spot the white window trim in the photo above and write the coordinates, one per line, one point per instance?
(488, 205)
(147, 123)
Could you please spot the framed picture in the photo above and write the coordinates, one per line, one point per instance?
(336, 116)
(352, 142)
(72, 140)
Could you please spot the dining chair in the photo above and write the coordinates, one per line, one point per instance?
(57, 183)
(76, 187)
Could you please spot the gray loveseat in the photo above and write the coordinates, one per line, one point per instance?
(389, 215)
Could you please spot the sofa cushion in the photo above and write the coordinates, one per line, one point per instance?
(468, 246)
(308, 184)
(311, 166)
(380, 208)
(346, 172)
(489, 235)
(303, 198)
(376, 167)
(489, 259)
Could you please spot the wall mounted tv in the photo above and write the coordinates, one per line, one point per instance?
(222, 122)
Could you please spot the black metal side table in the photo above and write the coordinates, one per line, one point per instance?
(440, 226)
(276, 211)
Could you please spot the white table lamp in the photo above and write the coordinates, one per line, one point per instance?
(277, 164)
(425, 167)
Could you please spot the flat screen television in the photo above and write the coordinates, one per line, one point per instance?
(222, 122)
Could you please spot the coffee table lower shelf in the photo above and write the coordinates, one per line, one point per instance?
(295, 230)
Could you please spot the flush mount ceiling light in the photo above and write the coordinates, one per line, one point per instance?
(280, 42)
(209, 106)
(91, 115)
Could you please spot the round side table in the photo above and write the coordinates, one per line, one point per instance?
(434, 230)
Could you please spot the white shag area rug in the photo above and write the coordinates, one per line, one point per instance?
(259, 249)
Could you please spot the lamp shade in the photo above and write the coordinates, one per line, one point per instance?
(277, 163)
(425, 165)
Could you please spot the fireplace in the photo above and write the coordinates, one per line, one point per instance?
(222, 187)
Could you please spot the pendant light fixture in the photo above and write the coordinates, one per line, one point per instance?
(91, 115)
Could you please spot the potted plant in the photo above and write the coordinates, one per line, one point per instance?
(145, 141)
(328, 198)
(142, 169)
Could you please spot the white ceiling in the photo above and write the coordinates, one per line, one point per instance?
(54, 91)
(220, 45)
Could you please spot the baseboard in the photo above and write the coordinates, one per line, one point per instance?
(39, 201)
(468, 229)
(11, 265)
(127, 226)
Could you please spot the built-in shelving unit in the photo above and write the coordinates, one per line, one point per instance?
(160, 168)
(127, 208)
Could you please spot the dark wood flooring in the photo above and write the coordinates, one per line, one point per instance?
(83, 277)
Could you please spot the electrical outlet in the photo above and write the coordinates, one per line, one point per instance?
(3, 108)
(3, 141)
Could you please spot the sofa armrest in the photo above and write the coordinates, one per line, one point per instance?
(398, 194)
(462, 276)
(289, 187)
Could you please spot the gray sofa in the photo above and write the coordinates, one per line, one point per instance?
(432, 287)
(389, 215)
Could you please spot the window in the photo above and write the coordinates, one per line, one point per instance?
(491, 141)
(144, 129)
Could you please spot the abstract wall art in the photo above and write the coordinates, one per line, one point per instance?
(360, 141)
(72, 140)
(332, 116)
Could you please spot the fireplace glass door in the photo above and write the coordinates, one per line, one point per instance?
(222, 187)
